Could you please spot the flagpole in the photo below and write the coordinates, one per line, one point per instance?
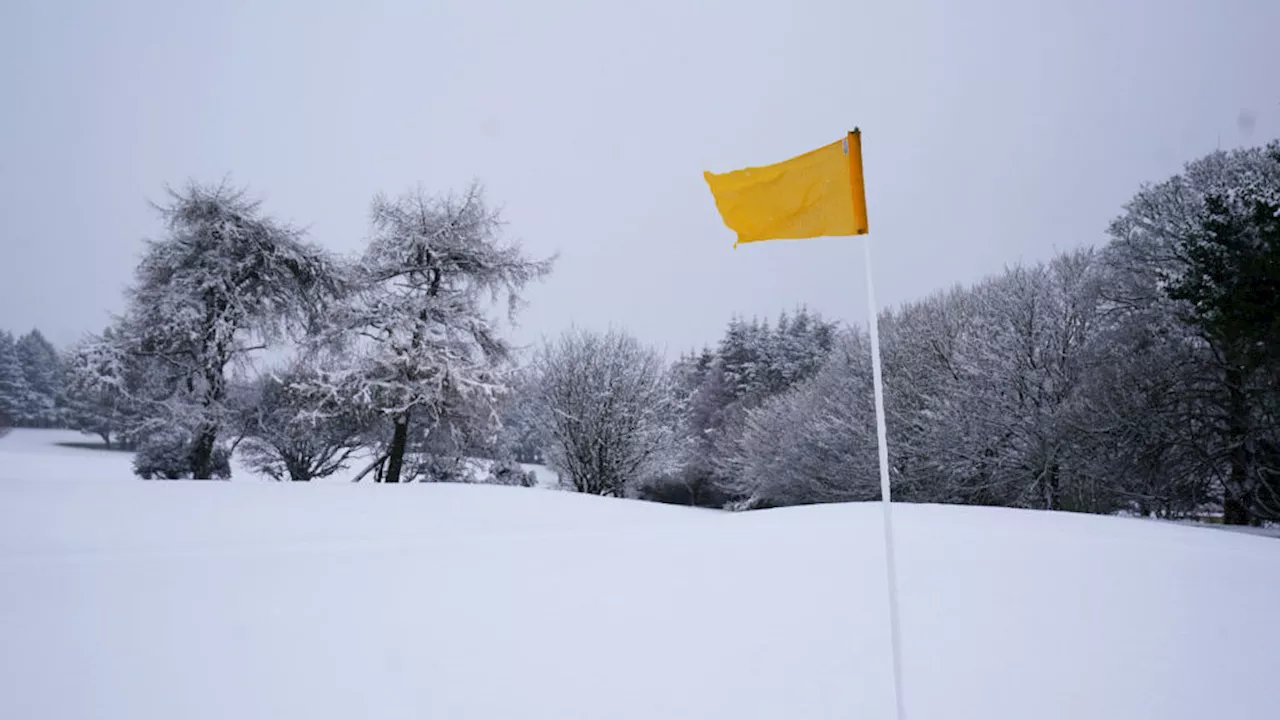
(748, 205)
(886, 504)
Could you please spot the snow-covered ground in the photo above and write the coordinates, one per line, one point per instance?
(56, 454)
(130, 600)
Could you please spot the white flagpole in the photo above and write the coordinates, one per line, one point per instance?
(885, 502)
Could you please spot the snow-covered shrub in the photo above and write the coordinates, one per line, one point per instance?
(293, 432)
(509, 472)
(167, 455)
(439, 468)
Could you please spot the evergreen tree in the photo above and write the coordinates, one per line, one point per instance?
(1232, 289)
(718, 388)
(14, 391)
(43, 372)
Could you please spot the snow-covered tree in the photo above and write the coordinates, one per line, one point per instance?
(1203, 248)
(1142, 444)
(608, 411)
(42, 369)
(982, 387)
(716, 389)
(1035, 323)
(416, 325)
(935, 445)
(702, 398)
(225, 281)
(14, 391)
(814, 443)
(104, 382)
(520, 439)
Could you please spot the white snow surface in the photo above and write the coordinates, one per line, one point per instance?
(129, 600)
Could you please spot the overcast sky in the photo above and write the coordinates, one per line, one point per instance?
(994, 132)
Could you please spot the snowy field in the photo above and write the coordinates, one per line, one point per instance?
(56, 454)
(130, 600)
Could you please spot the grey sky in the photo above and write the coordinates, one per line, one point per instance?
(993, 132)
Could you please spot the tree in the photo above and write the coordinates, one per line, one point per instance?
(43, 372)
(1201, 248)
(608, 411)
(816, 442)
(415, 321)
(14, 390)
(983, 386)
(936, 448)
(224, 282)
(520, 438)
(717, 388)
(1232, 289)
(103, 387)
(292, 434)
(1036, 324)
(1141, 443)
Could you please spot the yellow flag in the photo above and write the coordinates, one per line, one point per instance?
(819, 193)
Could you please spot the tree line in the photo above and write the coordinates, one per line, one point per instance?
(1141, 376)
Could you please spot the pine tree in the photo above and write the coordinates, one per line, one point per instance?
(43, 372)
(14, 391)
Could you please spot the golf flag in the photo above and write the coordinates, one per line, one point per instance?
(819, 193)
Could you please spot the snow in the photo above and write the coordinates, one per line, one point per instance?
(48, 454)
(124, 599)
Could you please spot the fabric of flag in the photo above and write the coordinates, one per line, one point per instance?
(819, 193)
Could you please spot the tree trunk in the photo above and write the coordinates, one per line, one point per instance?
(398, 442)
(1234, 510)
(202, 453)
(298, 469)
(1051, 487)
(1236, 495)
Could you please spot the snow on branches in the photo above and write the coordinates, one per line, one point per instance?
(223, 282)
(415, 319)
